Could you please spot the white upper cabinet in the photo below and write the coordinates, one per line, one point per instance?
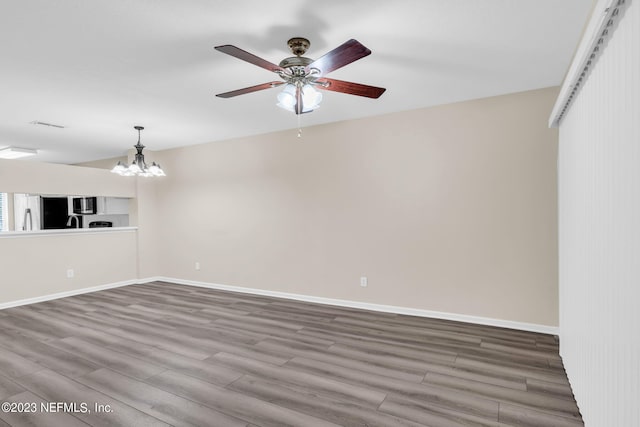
(113, 206)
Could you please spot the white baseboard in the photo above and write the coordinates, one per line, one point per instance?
(67, 294)
(531, 327)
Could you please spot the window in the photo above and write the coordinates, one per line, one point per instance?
(4, 218)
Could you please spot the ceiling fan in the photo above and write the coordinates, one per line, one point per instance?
(301, 75)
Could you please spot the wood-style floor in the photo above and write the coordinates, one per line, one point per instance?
(166, 354)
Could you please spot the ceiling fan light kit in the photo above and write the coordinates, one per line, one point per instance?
(302, 76)
(311, 98)
(138, 166)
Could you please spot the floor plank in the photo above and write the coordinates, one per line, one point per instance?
(240, 405)
(54, 387)
(166, 354)
(339, 411)
(168, 407)
(318, 384)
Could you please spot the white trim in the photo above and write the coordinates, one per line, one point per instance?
(149, 280)
(531, 327)
(66, 294)
(66, 232)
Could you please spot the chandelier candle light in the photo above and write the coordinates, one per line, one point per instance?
(139, 166)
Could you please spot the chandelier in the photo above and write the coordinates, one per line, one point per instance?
(138, 166)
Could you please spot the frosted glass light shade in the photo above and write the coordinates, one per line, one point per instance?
(120, 168)
(134, 168)
(287, 98)
(311, 98)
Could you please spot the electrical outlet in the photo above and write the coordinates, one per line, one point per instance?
(197, 265)
(70, 273)
(363, 281)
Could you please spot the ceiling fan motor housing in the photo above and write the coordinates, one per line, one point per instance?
(298, 46)
(295, 61)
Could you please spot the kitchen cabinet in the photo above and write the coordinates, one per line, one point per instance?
(113, 206)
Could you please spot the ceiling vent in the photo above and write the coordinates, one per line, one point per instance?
(36, 122)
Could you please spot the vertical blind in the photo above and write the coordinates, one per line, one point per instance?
(599, 233)
(3, 209)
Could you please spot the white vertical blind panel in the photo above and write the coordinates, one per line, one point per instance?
(599, 234)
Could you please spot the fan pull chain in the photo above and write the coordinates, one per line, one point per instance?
(299, 127)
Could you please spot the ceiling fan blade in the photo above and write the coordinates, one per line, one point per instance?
(249, 89)
(349, 87)
(344, 54)
(249, 57)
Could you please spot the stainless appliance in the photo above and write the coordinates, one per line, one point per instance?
(34, 212)
(54, 212)
(26, 211)
(27, 221)
(85, 205)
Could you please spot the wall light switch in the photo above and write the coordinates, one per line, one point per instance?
(197, 266)
(363, 281)
(70, 273)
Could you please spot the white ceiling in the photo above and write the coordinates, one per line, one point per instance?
(101, 67)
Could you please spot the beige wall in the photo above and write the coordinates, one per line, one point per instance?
(146, 208)
(21, 176)
(147, 216)
(104, 163)
(36, 265)
(145, 189)
(451, 208)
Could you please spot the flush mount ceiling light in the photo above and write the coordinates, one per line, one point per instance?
(16, 153)
(139, 166)
(303, 75)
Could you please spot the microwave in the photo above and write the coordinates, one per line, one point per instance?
(85, 205)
